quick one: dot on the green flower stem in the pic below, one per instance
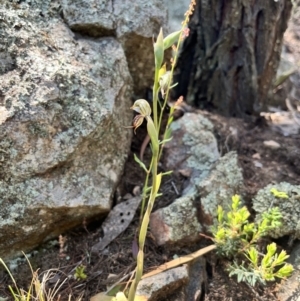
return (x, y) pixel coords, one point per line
(144, 192)
(254, 239)
(171, 77)
(143, 230)
(175, 58)
(170, 118)
(142, 235)
(153, 134)
(155, 98)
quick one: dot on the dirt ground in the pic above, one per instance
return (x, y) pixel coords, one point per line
(261, 166)
(104, 269)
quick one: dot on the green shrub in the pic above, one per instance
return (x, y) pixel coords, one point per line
(238, 239)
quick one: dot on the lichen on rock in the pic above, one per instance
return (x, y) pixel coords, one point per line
(289, 208)
(132, 23)
(224, 181)
(193, 147)
(64, 102)
(176, 223)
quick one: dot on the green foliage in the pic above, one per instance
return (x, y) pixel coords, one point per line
(234, 233)
(159, 50)
(80, 273)
(267, 268)
(279, 194)
(171, 39)
(237, 238)
(140, 163)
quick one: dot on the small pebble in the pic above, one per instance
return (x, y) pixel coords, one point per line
(127, 196)
(185, 172)
(257, 164)
(256, 156)
(136, 191)
(272, 144)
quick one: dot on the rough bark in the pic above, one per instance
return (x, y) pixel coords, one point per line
(230, 58)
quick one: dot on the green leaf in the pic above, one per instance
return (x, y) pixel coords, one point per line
(171, 39)
(174, 85)
(230, 217)
(168, 133)
(249, 228)
(158, 181)
(267, 261)
(159, 50)
(152, 132)
(239, 277)
(115, 289)
(167, 173)
(253, 255)
(235, 202)
(147, 189)
(220, 235)
(243, 214)
(285, 271)
(80, 273)
(279, 194)
(269, 276)
(140, 163)
(271, 249)
(220, 214)
(165, 140)
(282, 257)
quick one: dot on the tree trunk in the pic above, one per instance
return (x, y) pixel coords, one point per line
(230, 58)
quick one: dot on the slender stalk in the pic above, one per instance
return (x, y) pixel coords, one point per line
(142, 236)
(153, 128)
(144, 192)
(155, 98)
(143, 231)
(175, 58)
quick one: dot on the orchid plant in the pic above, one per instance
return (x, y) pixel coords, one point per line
(163, 84)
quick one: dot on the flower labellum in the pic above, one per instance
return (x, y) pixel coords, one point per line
(142, 106)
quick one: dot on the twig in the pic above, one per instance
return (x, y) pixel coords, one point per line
(175, 188)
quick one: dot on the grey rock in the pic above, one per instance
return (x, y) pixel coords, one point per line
(160, 285)
(63, 144)
(176, 11)
(193, 147)
(133, 23)
(95, 18)
(188, 284)
(176, 223)
(289, 208)
(196, 285)
(224, 181)
(213, 181)
(119, 17)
